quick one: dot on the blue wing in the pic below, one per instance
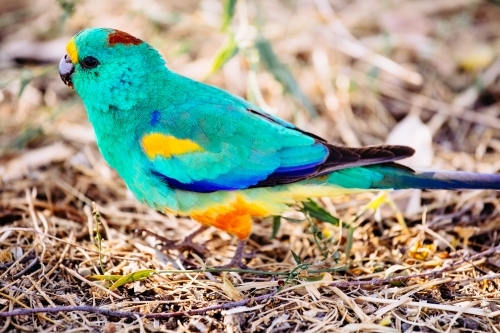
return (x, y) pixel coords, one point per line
(244, 147)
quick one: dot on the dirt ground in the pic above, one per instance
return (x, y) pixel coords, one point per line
(420, 73)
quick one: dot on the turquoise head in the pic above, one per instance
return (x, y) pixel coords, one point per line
(108, 67)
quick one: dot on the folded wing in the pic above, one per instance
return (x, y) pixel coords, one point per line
(225, 147)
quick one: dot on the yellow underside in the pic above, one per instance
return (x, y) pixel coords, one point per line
(235, 216)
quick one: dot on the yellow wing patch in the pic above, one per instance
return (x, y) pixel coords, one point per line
(157, 144)
(72, 51)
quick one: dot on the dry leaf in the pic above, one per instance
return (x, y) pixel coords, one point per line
(412, 132)
(230, 290)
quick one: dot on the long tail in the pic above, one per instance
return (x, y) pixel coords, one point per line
(398, 177)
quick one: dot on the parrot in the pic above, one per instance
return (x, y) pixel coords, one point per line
(193, 149)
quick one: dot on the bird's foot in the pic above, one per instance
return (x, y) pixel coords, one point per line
(239, 255)
(186, 244)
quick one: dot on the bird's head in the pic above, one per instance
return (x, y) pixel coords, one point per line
(108, 68)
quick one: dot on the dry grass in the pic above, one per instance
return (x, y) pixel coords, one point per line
(364, 65)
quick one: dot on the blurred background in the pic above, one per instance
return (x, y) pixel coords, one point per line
(349, 71)
(421, 73)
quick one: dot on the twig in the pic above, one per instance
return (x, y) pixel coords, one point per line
(93, 284)
(487, 277)
(98, 238)
(84, 308)
(30, 255)
(132, 314)
(445, 307)
(66, 242)
(221, 270)
(347, 284)
(224, 306)
(27, 269)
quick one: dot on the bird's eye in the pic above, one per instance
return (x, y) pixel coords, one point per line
(90, 62)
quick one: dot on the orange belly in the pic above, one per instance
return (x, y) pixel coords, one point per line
(234, 217)
(235, 214)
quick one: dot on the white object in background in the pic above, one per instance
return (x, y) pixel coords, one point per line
(412, 132)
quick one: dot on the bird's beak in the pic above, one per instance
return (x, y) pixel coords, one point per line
(66, 69)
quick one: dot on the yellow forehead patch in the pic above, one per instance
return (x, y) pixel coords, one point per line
(157, 144)
(72, 52)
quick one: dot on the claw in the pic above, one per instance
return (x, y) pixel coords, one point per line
(186, 244)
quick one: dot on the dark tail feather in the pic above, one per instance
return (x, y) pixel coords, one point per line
(400, 177)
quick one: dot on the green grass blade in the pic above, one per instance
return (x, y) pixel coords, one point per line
(228, 13)
(281, 73)
(135, 276)
(349, 242)
(104, 277)
(296, 258)
(312, 209)
(228, 50)
(276, 226)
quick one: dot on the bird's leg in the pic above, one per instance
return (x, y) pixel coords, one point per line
(186, 244)
(239, 255)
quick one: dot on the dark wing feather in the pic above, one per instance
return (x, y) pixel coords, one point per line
(345, 157)
(338, 158)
